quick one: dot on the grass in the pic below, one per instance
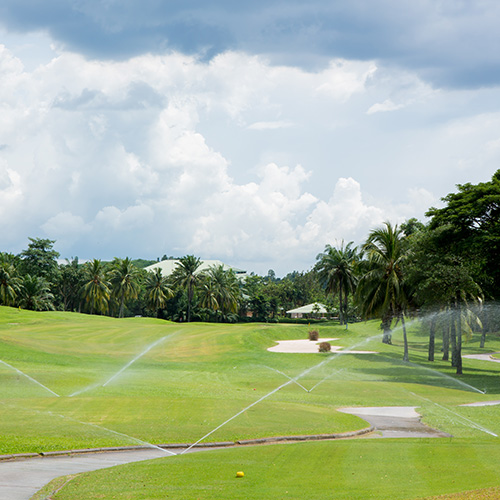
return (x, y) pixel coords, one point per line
(196, 376)
(354, 469)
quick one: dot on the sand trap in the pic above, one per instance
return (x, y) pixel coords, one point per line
(305, 346)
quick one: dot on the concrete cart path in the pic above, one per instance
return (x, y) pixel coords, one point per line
(483, 357)
(21, 479)
(395, 421)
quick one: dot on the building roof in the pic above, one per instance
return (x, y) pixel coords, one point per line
(315, 307)
(167, 267)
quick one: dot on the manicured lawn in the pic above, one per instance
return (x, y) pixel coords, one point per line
(199, 375)
(98, 381)
(350, 469)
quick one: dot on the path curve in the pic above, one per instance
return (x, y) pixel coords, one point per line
(483, 357)
(21, 478)
(396, 421)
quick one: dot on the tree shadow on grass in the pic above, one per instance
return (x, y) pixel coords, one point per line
(474, 379)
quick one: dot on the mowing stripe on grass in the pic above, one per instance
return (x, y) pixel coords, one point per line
(292, 380)
(119, 372)
(30, 378)
(472, 423)
(145, 351)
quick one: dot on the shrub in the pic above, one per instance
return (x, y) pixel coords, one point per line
(313, 335)
(325, 347)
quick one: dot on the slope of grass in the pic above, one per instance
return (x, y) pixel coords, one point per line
(196, 376)
(353, 469)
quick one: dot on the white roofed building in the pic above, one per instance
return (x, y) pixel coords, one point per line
(167, 267)
(314, 309)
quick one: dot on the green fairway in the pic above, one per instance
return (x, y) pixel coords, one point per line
(72, 381)
(85, 391)
(353, 469)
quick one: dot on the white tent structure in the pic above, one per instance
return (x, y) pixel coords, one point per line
(314, 309)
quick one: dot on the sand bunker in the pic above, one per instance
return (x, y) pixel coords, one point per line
(304, 346)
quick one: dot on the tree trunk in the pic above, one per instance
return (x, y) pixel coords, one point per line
(406, 356)
(122, 306)
(341, 303)
(346, 318)
(485, 323)
(446, 341)
(432, 338)
(459, 339)
(386, 327)
(453, 337)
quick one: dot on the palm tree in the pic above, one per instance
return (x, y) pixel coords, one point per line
(35, 294)
(186, 277)
(337, 271)
(382, 290)
(96, 289)
(220, 291)
(10, 284)
(157, 291)
(124, 278)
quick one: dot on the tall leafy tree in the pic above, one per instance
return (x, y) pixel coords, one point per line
(470, 223)
(158, 291)
(186, 276)
(124, 278)
(337, 270)
(40, 259)
(382, 291)
(96, 290)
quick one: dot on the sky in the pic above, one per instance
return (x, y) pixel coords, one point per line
(254, 133)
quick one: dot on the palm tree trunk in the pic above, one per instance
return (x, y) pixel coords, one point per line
(406, 356)
(341, 314)
(122, 306)
(386, 327)
(346, 319)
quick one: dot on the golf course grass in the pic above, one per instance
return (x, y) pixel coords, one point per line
(70, 381)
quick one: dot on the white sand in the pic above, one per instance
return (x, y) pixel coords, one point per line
(305, 346)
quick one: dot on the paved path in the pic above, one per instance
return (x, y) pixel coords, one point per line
(21, 479)
(395, 421)
(483, 357)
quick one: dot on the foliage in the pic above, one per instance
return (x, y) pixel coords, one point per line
(96, 290)
(158, 291)
(382, 290)
(124, 278)
(324, 347)
(40, 259)
(313, 335)
(35, 294)
(186, 276)
(470, 223)
(337, 269)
